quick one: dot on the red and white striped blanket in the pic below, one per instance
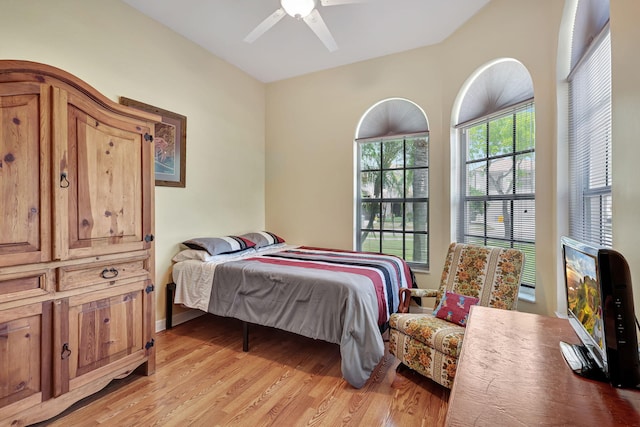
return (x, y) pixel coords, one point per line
(342, 297)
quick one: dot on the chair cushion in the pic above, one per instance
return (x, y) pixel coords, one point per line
(443, 336)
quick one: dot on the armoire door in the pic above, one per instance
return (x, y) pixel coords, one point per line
(101, 333)
(24, 173)
(105, 180)
(25, 357)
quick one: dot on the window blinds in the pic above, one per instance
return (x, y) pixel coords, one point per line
(498, 184)
(590, 142)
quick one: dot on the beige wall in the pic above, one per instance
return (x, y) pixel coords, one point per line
(311, 122)
(625, 36)
(122, 53)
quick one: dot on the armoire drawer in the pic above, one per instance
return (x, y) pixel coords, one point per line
(80, 276)
(23, 285)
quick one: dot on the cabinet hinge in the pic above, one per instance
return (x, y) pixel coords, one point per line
(149, 238)
(148, 137)
(149, 344)
(149, 289)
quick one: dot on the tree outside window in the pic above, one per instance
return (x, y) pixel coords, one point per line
(393, 206)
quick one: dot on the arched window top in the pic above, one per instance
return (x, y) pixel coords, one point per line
(500, 85)
(392, 117)
(591, 17)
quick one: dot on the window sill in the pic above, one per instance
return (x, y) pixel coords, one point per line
(527, 294)
(421, 270)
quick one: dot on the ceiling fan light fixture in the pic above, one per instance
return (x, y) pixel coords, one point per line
(298, 8)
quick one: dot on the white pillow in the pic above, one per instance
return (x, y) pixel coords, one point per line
(202, 255)
(272, 247)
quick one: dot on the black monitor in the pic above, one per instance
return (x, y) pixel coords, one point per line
(600, 310)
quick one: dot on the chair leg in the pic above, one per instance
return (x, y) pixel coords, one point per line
(402, 368)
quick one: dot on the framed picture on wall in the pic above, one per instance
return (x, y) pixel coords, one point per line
(170, 143)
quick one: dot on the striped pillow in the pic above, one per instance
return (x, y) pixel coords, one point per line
(263, 239)
(220, 245)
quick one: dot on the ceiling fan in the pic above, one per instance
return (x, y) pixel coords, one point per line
(305, 10)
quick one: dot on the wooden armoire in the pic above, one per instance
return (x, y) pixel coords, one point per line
(76, 241)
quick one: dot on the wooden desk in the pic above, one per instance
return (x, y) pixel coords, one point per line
(511, 373)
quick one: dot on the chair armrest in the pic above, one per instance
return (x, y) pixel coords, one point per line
(407, 293)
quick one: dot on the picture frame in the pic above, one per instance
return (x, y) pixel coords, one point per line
(170, 141)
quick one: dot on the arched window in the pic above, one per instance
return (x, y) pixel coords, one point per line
(392, 207)
(496, 197)
(590, 141)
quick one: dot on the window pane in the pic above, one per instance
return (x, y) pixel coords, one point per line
(524, 218)
(393, 184)
(529, 273)
(477, 142)
(597, 225)
(501, 176)
(474, 220)
(417, 247)
(476, 179)
(417, 152)
(370, 241)
(393, 154)
(498, 243)
(525, 174)
(598, 168)
(370, 185)
(392, 244)
(416, 218)
(475, 240)
(417, 183)
(525, 129)
(370, 216)
(369, 156)
(392, 216)
(501, 136)
(499, 219)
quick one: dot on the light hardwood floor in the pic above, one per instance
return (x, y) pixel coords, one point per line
(204, 379)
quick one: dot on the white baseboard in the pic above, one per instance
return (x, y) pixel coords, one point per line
(177, 319)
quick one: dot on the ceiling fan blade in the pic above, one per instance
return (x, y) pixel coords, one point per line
(262, 27)
(341, 2)
(316, 23)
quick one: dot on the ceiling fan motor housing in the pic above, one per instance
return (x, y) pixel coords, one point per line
(298, 8)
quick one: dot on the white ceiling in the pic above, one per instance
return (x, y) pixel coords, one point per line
(362, 31)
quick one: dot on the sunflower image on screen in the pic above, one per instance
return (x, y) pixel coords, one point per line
(583, 296)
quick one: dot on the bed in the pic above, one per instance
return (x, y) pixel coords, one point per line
(342, 297)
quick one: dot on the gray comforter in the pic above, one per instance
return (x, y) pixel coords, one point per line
(330, 303)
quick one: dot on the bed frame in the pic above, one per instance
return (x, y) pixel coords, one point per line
(171, 290)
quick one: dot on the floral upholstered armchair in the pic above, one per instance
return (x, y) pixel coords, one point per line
(430, 343)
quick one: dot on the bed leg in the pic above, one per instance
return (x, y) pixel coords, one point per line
(245, 336)
(171, 290)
